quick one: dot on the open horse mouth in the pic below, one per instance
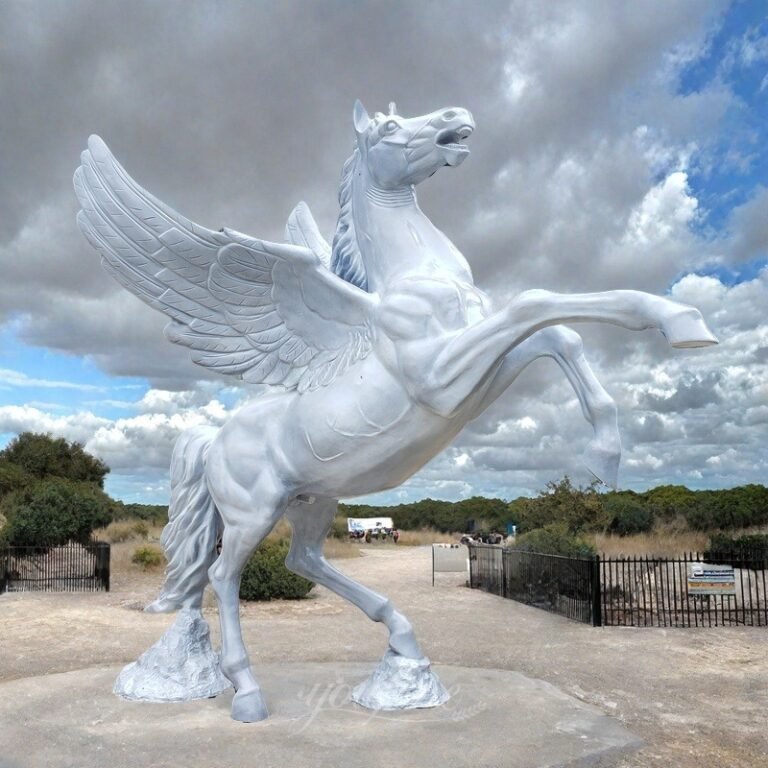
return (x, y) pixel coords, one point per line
(453, 137)
(450, 141)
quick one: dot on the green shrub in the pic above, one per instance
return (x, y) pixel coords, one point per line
(627, 515)
(339, 529)
(554, 539)
(669, 501)
(148, 557)
(52, 512)
(44, 456)
(753, 548)
(12, 478)
(577, 509)
(729, 509)
(266, 577)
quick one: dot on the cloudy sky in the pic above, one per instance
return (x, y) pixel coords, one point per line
(618, 145)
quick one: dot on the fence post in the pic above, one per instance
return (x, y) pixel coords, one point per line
(5, 556)
(597, 615)
(107, 564)
(103, 563)
(504, 568)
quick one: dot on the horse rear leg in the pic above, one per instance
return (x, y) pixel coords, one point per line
(565, 347)
(244, 529)
(310, 523)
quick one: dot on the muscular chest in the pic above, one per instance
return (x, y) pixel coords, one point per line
(421, 307)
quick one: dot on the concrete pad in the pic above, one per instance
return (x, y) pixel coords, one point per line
(495, 719)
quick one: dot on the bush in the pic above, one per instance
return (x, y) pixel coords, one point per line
(554, 539)
(752, 548)
(266, 577)
(44, 456)
(628, 516)
(669, 501)
(339, 529)
(148, 557)
(577, 509)
(52, 512)
(12, 478)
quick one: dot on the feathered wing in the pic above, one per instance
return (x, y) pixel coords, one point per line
(301, 229)
(265, 312)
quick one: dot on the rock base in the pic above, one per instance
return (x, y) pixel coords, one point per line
(181, 666)
(400, 683)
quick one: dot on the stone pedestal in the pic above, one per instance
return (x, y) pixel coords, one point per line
(493, 718)
(400, 683)
(181, 666)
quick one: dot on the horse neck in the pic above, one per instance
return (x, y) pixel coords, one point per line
(396, 239)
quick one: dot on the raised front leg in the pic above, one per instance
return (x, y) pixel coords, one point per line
(443, 377)
(565, 347)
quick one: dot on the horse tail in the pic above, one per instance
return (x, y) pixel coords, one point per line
(189, 539)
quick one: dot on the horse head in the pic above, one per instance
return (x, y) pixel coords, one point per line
(402, 151)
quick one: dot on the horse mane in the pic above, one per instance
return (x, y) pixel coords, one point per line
(346, 259)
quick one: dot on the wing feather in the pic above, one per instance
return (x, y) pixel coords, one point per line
(301, 229)
(266, 312)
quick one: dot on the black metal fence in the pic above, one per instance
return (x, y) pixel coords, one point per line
(68, 568)
(565, 585)
(690, 591)
(657, 592)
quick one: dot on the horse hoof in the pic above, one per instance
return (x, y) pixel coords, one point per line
(402, 640)
(161, 605)
(686, 329)
(249, 707)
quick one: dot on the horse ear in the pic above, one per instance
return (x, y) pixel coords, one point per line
(360, 117)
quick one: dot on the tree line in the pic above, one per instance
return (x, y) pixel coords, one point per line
(584, 510)
(52, 491)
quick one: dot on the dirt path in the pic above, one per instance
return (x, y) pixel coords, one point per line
(699, 698)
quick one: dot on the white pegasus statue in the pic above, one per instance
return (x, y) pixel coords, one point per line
(380, 349)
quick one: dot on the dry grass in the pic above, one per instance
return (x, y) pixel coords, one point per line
(281, 531)
(335, 548)
(658, 543)
(425, 536)
(120, 531)
(340, 548)
(127, 536)
(125, 573)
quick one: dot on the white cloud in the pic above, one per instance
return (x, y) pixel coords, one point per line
(129, 446)
(18, 379)
(25, 418)
(580, 180)
(147, 440)
(667, 207)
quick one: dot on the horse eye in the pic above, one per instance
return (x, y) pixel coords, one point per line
(391, 126)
